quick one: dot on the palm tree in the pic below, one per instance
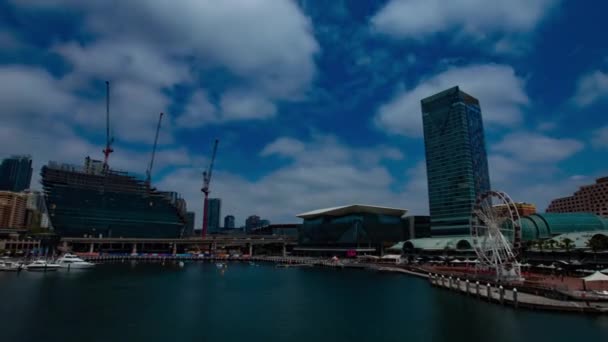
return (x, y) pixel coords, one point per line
(551, 243)
(539, 244)
(567, 244)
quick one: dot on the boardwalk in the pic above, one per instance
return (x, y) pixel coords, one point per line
(513, 298)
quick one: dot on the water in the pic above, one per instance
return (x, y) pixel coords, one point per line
(247, 303)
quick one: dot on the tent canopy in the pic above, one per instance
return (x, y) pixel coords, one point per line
(597, 276)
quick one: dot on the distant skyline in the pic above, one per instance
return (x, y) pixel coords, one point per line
(316, 103)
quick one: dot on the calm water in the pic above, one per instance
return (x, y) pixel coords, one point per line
(248, 303)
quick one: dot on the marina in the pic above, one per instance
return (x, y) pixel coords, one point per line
(155, 302)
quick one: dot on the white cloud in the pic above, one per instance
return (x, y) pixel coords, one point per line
(243, 104)
(267, 47)
(591, 88)
(500, 91)
(30, 91)
(532, 147)
(600, 137)
(198, 112)
(322, 172)
(478, 18)
(284, 147)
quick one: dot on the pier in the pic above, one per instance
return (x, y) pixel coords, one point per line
(498, 294)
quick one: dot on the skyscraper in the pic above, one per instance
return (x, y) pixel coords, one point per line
(189, 227)
(251, 222)
(229, 222)
(456, 160)
(16, 173)
(215, 213)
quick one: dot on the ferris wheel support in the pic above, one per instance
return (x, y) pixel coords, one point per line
(496, 234)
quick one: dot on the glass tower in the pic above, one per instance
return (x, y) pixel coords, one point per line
(456, 160)
(215, 209)
(16, 173)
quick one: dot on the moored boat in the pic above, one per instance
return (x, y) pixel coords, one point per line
(42, 265)
(71, 261)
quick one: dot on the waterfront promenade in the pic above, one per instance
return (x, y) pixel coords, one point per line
(524, 297)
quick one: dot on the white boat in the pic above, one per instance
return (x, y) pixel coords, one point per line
(10, 266)
(42, 265)
(71, 261)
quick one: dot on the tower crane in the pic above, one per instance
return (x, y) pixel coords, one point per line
(205, 189)
(149, 171)
(109, 140)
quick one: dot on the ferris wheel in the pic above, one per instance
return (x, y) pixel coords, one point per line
(496, 233)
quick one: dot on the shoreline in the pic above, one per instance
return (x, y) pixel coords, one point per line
(494, 294)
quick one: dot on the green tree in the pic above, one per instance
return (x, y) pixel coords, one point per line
(567, 244)
(540, 244)
(551, 243)
(598, 242)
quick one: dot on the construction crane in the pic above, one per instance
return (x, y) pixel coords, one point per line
(149, 171)
(205, 189)
(106, 151)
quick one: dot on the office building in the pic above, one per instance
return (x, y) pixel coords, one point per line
(16, 173)
(252, 222)
(418, 226)
(591, 198)
(214, 215)
(350, 230)
(523, 209)
(456, 160)
(229, 222)
(189, 226)
(13, 209)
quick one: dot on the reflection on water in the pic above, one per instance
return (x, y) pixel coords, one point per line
(243, 302)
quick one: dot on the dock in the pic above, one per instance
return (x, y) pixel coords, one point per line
(511, 297)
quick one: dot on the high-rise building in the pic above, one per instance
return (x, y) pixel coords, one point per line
(16, 173)
(189, 228)
(252, 221)
(229, 222)
(13, 208)
(523, 209)
(214, 215)
(591, 198)
(456, 160)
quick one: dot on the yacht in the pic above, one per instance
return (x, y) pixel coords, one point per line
(10, 266)
(42, 265)
(73, 261)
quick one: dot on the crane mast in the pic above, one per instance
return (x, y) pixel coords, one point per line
(149, 171)
(205, 189)
(106, 151)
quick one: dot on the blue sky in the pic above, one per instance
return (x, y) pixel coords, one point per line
(316, 103)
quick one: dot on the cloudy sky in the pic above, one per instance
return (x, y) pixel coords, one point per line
(315, 103)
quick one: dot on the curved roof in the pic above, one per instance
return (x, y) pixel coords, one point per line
(441, 243)
(579, 239)
(352, 209)
(539, 226)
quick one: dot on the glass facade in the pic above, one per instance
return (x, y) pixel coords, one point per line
(16, 173)
(215, 213)
(229, 222)
(456, 160)
(352, 230)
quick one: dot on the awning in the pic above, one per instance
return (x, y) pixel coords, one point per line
(597, 276)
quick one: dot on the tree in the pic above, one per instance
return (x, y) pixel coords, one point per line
(597, 243)
(540, 244)
(551, 243)
(567, 244)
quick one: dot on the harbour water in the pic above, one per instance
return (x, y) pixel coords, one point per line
(152, 302)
